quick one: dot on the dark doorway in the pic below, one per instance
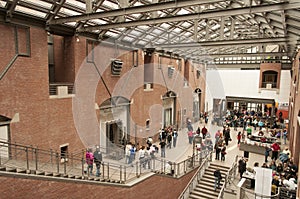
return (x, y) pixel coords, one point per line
(115, 136)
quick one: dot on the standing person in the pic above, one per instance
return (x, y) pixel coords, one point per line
(190, 136)
(217, 136)
(189, 125)
(227, 136)
(142, 156)
(204, 132)
(218, 151)
(275, 150)
(267, 153)
(223, 153)
(127, 152)
(239, 137)
(175, 135)
(98, 160)
(89, 158)
(205, 117)
(249, 130)
(169, 139)
(218, 178)
(163, 148)
(284, 136)
(132, 155)
(242, 166)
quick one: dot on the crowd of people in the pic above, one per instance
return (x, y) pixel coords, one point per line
(284, 170)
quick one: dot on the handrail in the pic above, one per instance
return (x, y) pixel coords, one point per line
(30, 159)
(261, 195)
(232, 170)
(196, 177)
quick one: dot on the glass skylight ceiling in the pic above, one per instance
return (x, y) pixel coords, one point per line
(272, 23)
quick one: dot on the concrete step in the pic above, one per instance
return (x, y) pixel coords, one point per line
(210, 177)
(212, 170)
(196, 196)
(206, 183)
(206, 187)
(221, 167)
(204, 193)
(209, 172)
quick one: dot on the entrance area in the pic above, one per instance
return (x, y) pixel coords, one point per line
(115, 139)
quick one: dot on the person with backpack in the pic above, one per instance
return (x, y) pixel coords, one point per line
(98, 160)
(218, 178)
(89, 158)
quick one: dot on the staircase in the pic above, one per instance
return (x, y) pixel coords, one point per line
(205, 188)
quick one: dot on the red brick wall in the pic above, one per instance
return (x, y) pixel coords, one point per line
(43, 122)
(153, 187)
(270, 66)
(48, 123)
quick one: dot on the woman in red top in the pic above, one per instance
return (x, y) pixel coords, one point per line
(275, 150)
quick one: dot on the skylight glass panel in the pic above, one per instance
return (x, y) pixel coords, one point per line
(110, 5)
(77, 4)
(98, 21)
(30, 11)
(129, 39)
(161, 41)
(149, 37)
(39, 3)
(144, 28)
(135, 33)
(73, 24)
(137, 3)
(3, 4)
(157, 31)
(99, 10)
(183, 12)
(96, 31)
(68, 12)
(111, 34)
(165, 26)
(187, 34)
(215, 27)
(177, 30)
(141, 42)
(185, 24)
(136, 15)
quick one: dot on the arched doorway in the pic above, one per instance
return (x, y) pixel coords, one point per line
(114, 125)
(169, 108)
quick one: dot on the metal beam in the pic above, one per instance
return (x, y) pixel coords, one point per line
(267, 54)
(236, 42)
(134, 10)
(204, 15)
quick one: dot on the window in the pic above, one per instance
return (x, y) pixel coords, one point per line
(269, 79)
(147, 124)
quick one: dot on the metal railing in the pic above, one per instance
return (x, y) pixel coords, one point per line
(28, 159)
(53, 87)
(231, 173)
(249, 194)
(197, 177)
